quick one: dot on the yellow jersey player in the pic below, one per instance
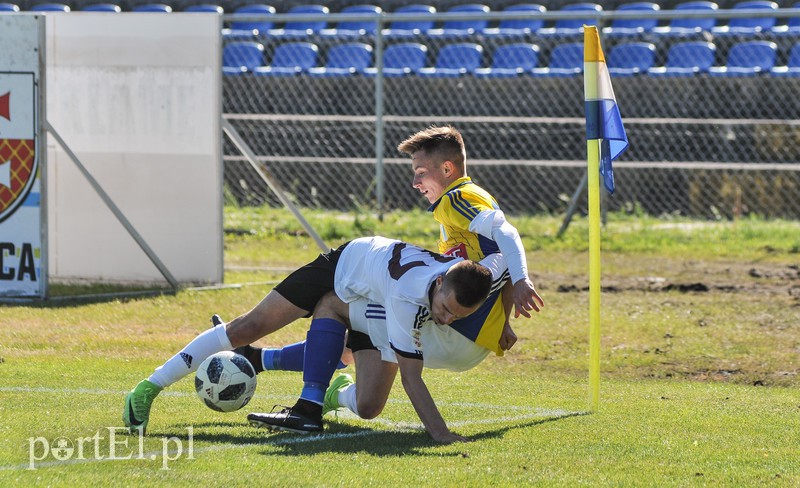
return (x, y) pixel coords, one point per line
(472, 226)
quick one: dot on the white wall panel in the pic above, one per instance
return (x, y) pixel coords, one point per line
(137, 98)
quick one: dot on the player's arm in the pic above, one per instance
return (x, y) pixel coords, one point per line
(507, 338)
(417, 391)
(493, 225)
(497, 265)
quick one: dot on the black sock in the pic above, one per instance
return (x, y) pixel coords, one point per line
(309, 409)
(253, 354)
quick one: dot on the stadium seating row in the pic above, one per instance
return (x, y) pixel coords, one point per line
(690, 58)
(516, 27)
(456, 28)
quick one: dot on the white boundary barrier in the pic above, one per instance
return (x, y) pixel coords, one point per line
(133, 185)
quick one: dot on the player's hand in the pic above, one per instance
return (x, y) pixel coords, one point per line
(508, 338)
(526, 298)
(448, 438)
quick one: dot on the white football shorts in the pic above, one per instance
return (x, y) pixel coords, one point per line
(442, 346)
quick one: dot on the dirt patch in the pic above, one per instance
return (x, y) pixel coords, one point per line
(684, 277)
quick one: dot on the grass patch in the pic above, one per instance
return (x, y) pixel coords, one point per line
(698, 384)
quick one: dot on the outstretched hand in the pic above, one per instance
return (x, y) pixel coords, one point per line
(526, 298)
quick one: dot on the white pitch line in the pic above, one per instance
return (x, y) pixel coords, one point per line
(277, 398)
(396, 426)
(536, 413)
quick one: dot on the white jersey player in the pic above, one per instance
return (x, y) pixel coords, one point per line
(414, 285)
(417, 288)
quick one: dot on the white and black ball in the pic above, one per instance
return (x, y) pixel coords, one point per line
(225, 381)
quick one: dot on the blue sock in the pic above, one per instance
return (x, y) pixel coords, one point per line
(288, 358)
(324, 346)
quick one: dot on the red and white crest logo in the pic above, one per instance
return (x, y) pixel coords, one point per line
(18, 161)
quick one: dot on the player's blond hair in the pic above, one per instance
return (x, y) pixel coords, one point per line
(445, 142)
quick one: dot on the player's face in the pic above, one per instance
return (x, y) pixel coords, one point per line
(445, 309)
(431, 175)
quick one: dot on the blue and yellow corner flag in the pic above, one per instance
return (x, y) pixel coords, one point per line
(605, 140)
(603, 121)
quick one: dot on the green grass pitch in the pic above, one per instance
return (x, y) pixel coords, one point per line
(698, 387)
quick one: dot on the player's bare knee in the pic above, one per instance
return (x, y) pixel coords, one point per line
(369, 409)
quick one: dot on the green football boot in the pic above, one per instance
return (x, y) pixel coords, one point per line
(331, 402)
(137, 405)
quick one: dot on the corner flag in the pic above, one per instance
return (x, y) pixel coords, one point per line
(605, 140)
(603, 121)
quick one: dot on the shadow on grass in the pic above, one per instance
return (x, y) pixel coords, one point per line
(69, 297)
(337, 437)
(499, 432)
(346, 439)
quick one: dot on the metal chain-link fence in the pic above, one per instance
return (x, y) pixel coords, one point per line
(703, 145)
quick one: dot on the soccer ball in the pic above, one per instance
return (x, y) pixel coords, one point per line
(225, 381)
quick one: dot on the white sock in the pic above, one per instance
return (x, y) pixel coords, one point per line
(188, 360)
(347, 398)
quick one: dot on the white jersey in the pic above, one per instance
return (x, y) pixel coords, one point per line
(399, 276)
(441, 345)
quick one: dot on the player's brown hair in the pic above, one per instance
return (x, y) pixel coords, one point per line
(471, 282)
(445, 142)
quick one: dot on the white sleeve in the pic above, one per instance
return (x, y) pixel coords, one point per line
(492, 224)
(496, 263)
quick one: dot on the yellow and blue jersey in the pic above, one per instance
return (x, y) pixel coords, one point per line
(462, 201)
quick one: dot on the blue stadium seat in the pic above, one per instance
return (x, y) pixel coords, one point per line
(356, 28)
(410, 28)
(748, 58)
(158, 8)
(749, 25)
(345, 60)
(103, 7)
(631, 59)
(205, 8)
(687, 59)
(9, 7)
(241, 57)
(511, 60)
(302, 28)
(455, 60)
(687, 26)
(518, 27)
(792, 27)
(247, 29)
(633, 27)
(792, 67)
(401, 60)
(463, 28)
(572, 27)
(50, 7)
(565, 60)
(290, 59)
